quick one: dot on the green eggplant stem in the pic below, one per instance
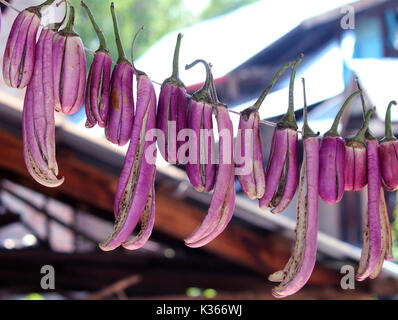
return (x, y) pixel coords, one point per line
(137, 72)
(260, 100)
(46, 3)
(360, 137)
(289, 119)
(334, 128)
(71, 21)
(307, 131)
(213, 90)
(388, 133)
(120, 50)
(203, 93)
(368, 134)
(362, 98)
(175, 74)
(97, 29)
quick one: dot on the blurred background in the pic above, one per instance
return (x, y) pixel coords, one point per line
(247, 41)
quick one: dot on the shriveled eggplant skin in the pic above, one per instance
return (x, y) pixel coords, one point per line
(281, 174)
(252, 182)
(19, 55)
(301, 264)
(222, 204)
(98, 90)
(331, 169)
(388, 154)
(332, 160)
(372, 250)
(121, 104)
(355, 159)
(251, 175)
(172, 111)
(121, 108)
(38, 124)
(201, 165)
(98, 82)
(69, 60)
(135, 192)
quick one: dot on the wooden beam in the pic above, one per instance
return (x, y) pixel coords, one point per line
(115, 288)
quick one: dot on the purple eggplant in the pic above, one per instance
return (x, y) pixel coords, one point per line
(377, 239)
(69, 68)
(251, 175)
(19, 55)
(355, 161)
(38, 124)
(135, 193)
(300, 265)
(388, 154)
(172, 111)
(121, 109)
(331, 165)
(201, 166)
(98, 83)
(222, 203)
(281, 175)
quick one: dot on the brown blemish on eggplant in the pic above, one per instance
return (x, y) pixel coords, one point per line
(115, 99)
(61, 78)
(276, 199)
(295, 262)
(364, 260)
(101, 90)
(129, 191)
(145, 217)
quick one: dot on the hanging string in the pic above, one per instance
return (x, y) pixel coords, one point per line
(268, 123)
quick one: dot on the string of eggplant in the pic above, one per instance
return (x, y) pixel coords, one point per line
(54, 72)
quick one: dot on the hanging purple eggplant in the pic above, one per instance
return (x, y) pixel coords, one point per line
(69, 68)
(355, 159)
(19, 55)
(98, 83)
(281, 175)
(300, 265)
(121, 109)
(388, 154)
(251, 175)
(135, 194)
(38, 124)
(172, 111)
(377, 241)
(222, 203)
(331, 165)
(201, 166)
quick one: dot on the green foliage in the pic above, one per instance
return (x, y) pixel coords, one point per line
(159, 17)
(219, 7)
